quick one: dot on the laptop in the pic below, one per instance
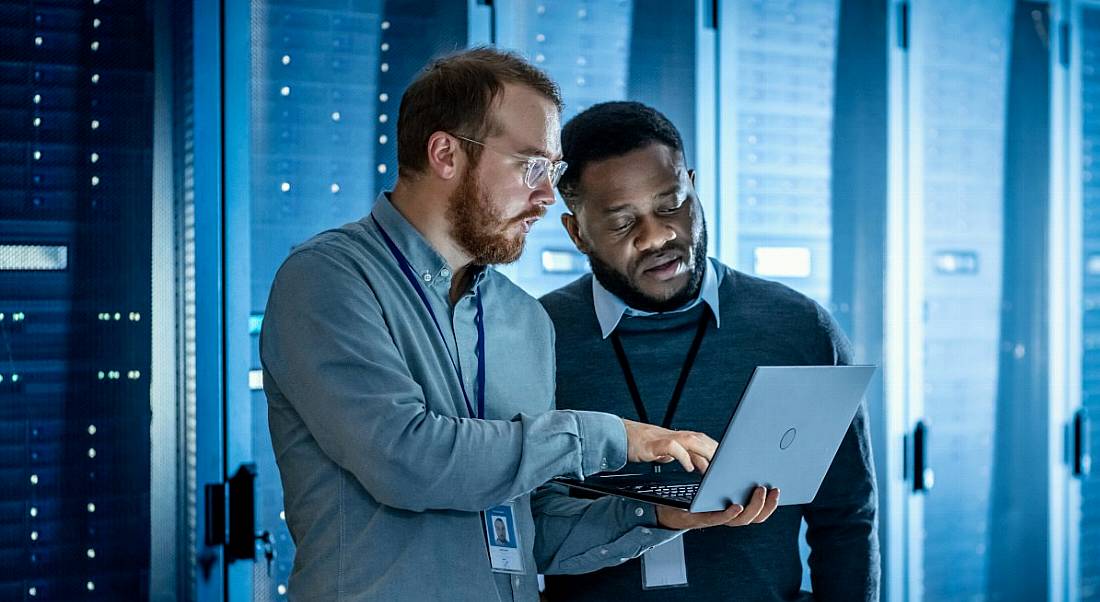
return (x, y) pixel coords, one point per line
(784, 433)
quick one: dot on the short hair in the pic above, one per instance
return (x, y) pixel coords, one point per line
(606, 130)
(453, 94)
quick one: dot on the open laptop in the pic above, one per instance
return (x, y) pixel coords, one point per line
(784, 433)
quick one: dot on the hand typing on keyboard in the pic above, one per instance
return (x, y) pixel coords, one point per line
(759, 508)
(649, 443)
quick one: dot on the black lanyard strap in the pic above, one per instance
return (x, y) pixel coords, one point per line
(685, 370)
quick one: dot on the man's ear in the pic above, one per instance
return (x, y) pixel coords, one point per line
(572, 226)
(691, 176)
(444, 156)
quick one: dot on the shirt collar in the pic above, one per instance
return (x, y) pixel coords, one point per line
(610, 309)
(430, 267)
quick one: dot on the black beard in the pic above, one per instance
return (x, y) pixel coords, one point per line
(619, 284)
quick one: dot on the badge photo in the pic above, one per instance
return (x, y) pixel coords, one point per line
(502, 539)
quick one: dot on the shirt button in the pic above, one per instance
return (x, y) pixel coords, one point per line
(426, 276)
(603, 464)
(639, 512)
(646, 531)
(444, 272)
(515, 581)
(604, 551)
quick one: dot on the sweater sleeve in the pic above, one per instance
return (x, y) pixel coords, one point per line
(842, 522)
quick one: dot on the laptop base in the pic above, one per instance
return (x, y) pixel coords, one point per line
(674, 488)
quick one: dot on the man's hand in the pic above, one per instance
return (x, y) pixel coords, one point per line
(760, 507)
(648, 443)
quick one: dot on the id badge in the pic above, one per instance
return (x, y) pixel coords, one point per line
(502, 539)
(664, 566)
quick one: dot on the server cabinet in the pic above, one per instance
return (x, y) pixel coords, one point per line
(76, 106)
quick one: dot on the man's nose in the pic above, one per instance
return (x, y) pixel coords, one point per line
(544, 192)
(653, 235)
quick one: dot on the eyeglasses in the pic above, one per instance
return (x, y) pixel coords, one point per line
(534, 169)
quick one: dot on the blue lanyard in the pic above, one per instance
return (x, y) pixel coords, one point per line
(479, 321)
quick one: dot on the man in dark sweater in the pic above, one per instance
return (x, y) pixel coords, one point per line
(654, 297)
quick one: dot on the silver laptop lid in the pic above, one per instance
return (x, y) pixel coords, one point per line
(784, 433)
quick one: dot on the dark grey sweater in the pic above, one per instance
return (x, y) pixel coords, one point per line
(763, 323)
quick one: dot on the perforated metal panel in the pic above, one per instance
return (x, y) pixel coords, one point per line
(959, 57)
(1090, 156)
(785, 57)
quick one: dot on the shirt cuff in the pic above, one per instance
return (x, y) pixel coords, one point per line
(639, 520)
(644, 514)
(603, 441)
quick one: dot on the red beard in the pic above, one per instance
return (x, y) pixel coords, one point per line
(479, 229)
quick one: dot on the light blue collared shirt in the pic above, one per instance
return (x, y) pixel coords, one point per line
(610, 309)
(384, 473)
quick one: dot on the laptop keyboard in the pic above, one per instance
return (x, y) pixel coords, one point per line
(680, 493)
